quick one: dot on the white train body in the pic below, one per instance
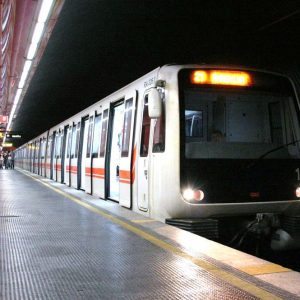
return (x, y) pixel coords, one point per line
(114, 150)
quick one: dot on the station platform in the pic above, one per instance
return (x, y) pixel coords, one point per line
(60, 243)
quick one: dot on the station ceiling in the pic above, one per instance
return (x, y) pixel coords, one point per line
(96, 47)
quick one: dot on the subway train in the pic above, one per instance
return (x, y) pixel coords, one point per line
(210, 149)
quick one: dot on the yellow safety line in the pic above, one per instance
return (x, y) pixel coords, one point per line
(143, 221)
(268, 268)
(209, 267)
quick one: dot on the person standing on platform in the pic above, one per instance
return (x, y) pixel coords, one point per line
(12, 160)
(1, 161)
(5, 159)
(9, 161)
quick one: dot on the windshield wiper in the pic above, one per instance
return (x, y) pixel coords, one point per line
(256, 160)
(277, 148)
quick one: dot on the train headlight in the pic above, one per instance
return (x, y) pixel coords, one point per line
(193, 195)
(298, 192)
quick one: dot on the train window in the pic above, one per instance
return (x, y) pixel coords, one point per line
(127, 128)
(43, 144)
(36, 151)
(159, 133)
(275, 122)
(69, 142)
(194, 123)
(104, 133)
(40, 148)
(96, 137)
(247, 123)
(73, 142)
(57, 145)
(61, 143)
(89, 139)
(49, 146)
(77, 139)
(145, 130)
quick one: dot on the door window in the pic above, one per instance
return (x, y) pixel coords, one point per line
(127, 128)
(77, 139)
(145, 130)
(159, 133)
(104, 133)
(96, 137)
(89, 139)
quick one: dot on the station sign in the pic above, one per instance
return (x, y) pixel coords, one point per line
(8, 145)
(13, 136)
(3, 119)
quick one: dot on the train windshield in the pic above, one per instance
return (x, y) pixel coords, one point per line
(240, 122)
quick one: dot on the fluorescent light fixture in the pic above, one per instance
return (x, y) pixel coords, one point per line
(32, 50)
(45, 9)
(3, 72)
(5, 43)
(25, 72)
(4, 23)
(12, 112)
(37, 33)
(17, 97)
(36, 37)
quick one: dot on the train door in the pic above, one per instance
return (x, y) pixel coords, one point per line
(45, 157)
(143, 160)
(63, 153)
(97, 174)
(48, 156)
(89, 156)
(74, 155)
(67, 160)
(99, 184)
(58, 155)
(55, 155)
(35, 160)
(42, 163)
(52, 155)
(41, 160)
(82, 153)
(33, 157)
(39, 157)
(29, 159)
(113, 159)
(125, 173)
(31, 162)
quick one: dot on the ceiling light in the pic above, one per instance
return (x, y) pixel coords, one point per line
(25, 72)
(45, 9)
(37, 33)
(32, 50)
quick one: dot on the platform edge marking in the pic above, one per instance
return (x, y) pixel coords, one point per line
(209, 267)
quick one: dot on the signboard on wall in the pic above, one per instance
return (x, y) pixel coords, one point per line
(7, 144)
(3, 119)
(13, 136)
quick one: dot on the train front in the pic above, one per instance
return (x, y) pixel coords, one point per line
(239, 146)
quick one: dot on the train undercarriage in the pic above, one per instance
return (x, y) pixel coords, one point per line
(271, 231)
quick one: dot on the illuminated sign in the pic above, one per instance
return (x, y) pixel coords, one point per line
(221, 77)
(3, 119)
(13, 136)
(7, 144)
